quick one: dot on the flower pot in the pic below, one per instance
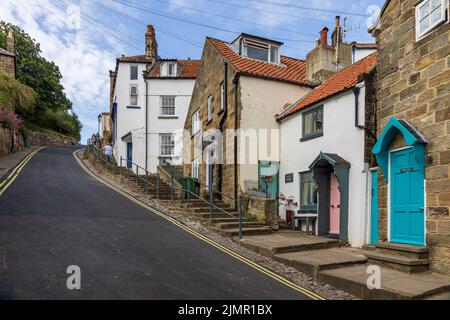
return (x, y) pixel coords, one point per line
(289, 214)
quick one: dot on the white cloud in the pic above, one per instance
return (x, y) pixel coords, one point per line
(70, 42)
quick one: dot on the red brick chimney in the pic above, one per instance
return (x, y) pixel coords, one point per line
(151, 46)
(324, 37)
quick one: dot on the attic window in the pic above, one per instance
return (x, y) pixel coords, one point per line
(261, 51)
(168, 69)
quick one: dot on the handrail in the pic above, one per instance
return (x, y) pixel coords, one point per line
(239, 205)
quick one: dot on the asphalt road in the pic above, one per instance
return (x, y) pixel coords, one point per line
(55, 215)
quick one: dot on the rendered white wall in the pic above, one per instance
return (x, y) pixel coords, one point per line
(129, 119)
(261, 101)
(182, 89)
(340, 137)
(362, 53)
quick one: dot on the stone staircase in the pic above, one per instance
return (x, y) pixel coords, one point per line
(401, 257)
(226, 224)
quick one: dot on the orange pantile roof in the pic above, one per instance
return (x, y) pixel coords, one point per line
(140, 59)
(189, 69)
(291, 70)
(341, 81)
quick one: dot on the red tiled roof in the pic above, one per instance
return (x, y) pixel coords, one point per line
(292, 70)
(341, 81)
(140, 59)
(189, 69)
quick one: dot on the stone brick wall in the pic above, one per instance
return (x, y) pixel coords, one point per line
(7, 64)
(413, 84)
(370, 119)
(208, 83)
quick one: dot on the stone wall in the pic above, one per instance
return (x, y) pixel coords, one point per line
(6, 141)
(263, 208)
(413, 84)
(46, 139)
(209, 80)
(7, 64)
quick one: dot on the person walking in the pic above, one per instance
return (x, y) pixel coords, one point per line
(108, 151)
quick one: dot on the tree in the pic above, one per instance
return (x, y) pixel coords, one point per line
(44, 77)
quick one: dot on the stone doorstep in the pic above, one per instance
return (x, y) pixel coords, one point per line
(313, 261)
(398, 262)
(245, 231)
(406, 250)
(283, 242)
(395, 284)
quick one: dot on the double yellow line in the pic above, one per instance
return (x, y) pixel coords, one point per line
(211, 242)
(13, 175)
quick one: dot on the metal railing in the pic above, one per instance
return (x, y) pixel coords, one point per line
(212, 192)
(184, 190)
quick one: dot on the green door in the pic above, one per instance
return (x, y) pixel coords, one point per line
(268, 173)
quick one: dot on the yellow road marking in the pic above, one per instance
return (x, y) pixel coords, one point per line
(14, 174)
(16, 168)
(198, 235)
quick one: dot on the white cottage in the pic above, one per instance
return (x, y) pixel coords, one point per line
(150, 98)
(326, 139)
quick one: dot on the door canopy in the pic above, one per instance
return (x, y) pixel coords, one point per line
(411, 136)
(323, 166)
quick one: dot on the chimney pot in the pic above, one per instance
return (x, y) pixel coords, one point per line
(338, 21)
(324, 37)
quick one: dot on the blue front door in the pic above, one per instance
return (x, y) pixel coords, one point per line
(374, 209)
(407, 199)
(129, 155)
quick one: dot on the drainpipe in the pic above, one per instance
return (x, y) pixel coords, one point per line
(236, 86)
(146, 122)
(356, 91)
(222, 121)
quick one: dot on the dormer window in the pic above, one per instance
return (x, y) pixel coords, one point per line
(168, 69)
(261, 51)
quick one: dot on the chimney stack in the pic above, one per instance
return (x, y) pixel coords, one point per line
(338, 21)
(324, 37)
(151, 46)
(10, 42)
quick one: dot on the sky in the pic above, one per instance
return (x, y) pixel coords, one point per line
(84, 37)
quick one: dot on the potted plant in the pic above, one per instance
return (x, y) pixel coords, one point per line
(290, 205)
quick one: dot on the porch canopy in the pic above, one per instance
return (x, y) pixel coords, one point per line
(322, 167)
(128, 137)
(411, 136)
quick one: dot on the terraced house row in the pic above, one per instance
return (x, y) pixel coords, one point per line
(358, 134)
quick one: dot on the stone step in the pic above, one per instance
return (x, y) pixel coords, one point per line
(394, 285)
(406, 250)
(284, 242)
(235, 224)
(245, 231)
(397, 262)
(220, 220)
(206, 209)
(205, 215)
(312, 262)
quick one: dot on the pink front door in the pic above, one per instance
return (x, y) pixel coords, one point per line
(335, 205)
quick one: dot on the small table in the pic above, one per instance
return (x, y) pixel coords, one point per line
(310, 219)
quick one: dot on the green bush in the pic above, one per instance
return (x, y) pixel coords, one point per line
(5, 123)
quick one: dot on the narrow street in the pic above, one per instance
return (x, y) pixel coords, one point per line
(55, 215)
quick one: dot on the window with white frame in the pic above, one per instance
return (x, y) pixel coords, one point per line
(167, 144)
(222, 95)
(167, 105)
(196, 122)
(210, 107)
(134, 95)
(168, 69)
(195, 168)
(429, 14)
(133, 72)
(261, 51)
